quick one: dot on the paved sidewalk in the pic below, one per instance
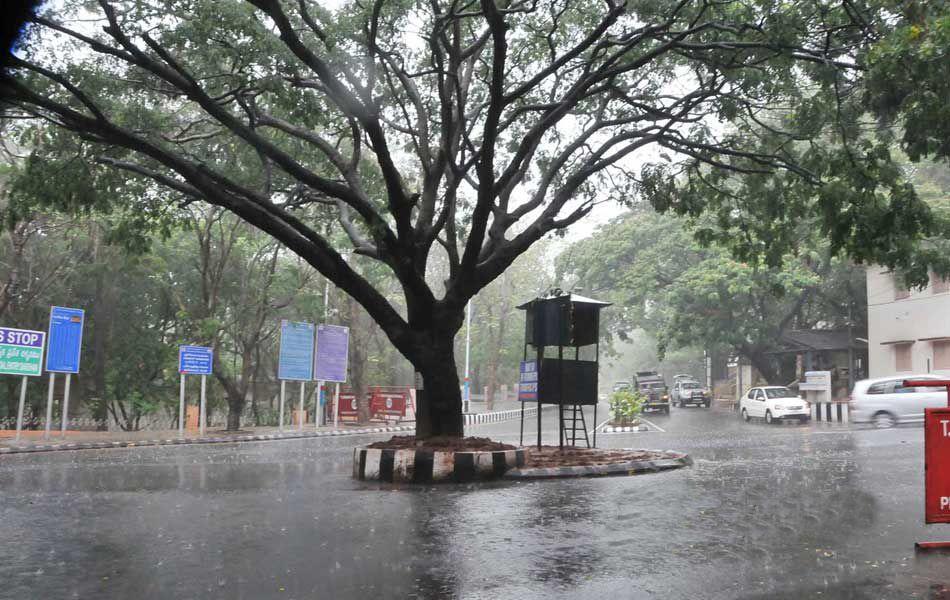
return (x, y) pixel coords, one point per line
(32, 441)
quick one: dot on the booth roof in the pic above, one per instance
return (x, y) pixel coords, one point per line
(574, 299)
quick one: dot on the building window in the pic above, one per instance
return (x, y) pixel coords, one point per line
(939, 285)
(900, 290)
(942, 355)
(902, 361)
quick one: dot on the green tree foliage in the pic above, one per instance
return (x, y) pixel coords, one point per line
(688, 295)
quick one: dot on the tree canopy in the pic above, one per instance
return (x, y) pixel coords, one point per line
(686, 295)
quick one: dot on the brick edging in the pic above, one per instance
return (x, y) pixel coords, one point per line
(632, 467)
(287, 435)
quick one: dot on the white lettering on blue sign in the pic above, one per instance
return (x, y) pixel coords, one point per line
(195, 360)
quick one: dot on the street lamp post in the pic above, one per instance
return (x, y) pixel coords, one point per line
(467, 389)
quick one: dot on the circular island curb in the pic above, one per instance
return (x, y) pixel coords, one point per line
(419, 465)
(427, 466)
(631, 467)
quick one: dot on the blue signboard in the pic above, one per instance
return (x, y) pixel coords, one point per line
(528, 381)
(295, 359)
(195, 360)
(65, 339)
(333, 344)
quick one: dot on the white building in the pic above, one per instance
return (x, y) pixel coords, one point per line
(908, 330)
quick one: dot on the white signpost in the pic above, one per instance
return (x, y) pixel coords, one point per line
(295, 362)
(333, 346)
(194, 360)
(21, 353)
(65, 345)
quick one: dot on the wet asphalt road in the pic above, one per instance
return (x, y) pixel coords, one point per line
(765, 512)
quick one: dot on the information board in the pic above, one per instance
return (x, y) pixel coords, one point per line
(21, 351)
(295, 358)
(528, 381)
(65, 339)
(348, 407)
(937, 465)
(388, 402)
(333, 345)
(195, 360)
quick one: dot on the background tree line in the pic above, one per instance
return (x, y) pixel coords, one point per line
(198, 275)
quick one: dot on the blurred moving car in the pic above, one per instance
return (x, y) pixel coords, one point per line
(774, 403)
(655, 393)
(885, 402)
(621, 385)
(690, 392)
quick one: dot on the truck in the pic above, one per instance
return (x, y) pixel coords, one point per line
(656, 396)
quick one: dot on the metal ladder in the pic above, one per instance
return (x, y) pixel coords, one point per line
(571, 416)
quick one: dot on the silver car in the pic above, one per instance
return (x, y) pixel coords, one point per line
(885, 402)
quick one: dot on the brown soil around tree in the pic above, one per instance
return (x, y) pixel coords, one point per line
(552, 456)
(442, 444)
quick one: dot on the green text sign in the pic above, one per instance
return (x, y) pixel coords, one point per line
(21, 351)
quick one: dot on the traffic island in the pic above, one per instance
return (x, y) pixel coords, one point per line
(403, 459)
(549, 462)
(408, 460)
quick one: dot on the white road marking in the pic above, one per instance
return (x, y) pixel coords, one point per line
(653, 424)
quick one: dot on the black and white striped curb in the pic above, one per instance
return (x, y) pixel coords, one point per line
(500, 415)
(626, 429)
(632, 467)
(428, 466)
(287, 435)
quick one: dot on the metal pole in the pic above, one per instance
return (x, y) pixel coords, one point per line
(468, 344)
(203, 417)
(181, 407)
(283, 391)
(540, 358)
(49, 404)
(595, 425)
(851, 347)
(560, 396)
(318, 412)
(65, 419)
(19, 414)
(300, 412)
(336, 406)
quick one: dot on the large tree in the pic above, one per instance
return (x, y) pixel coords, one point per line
(471, 128)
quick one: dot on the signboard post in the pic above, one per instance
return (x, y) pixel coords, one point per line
(65, 343)
(936, 461)
(333, 348)
(21, 353)
(295, 361)
(194, 360)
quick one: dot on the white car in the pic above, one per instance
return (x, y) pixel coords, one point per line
(885, 402)
(774, 403)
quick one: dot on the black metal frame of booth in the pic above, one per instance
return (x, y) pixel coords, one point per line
(565, 321)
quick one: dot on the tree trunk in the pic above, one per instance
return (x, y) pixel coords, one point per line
(764, 365)
(439, 403)
(234, 416)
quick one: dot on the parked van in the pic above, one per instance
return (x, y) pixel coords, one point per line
(885, 402)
